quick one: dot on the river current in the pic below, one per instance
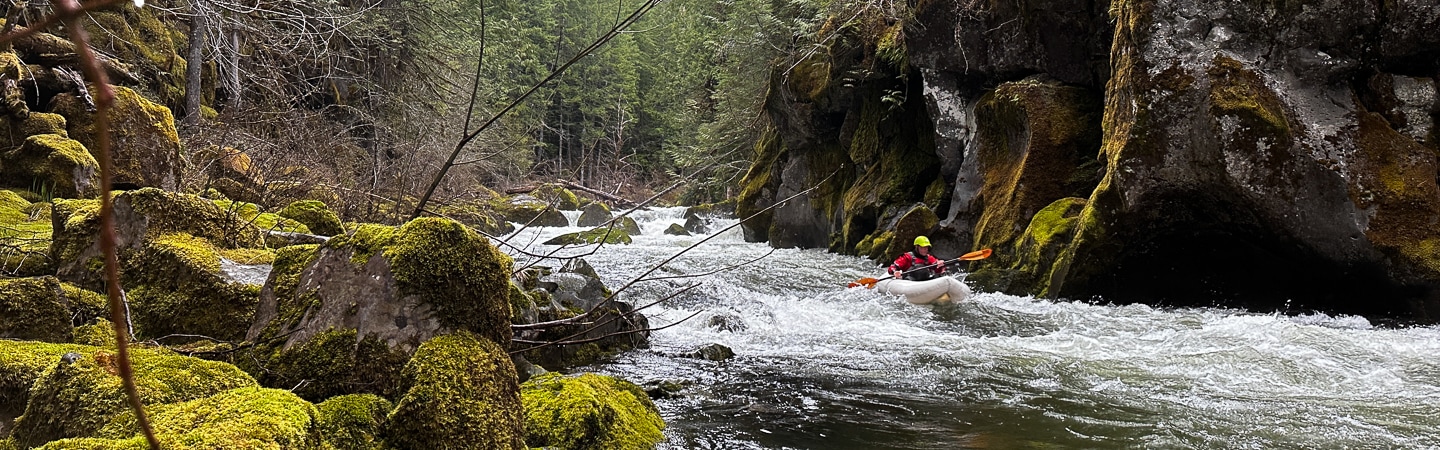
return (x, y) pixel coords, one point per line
(820, 366)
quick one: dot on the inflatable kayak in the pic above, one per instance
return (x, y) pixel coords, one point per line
(936, 291)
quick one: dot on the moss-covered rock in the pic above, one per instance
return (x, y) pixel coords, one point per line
(177, 287)
(354, 422)
(54, 164)
(21, 363)
(253, 214)
(144, 144)
(315, 216)
(99, 334)
(249, 417)
(336, 363)
(346, 315)
(589, 411)
(676, 229)
(558, 197)
(44, 309)
(918, 221)
(461, 393)
(137, 36)
(594, 214)
(530, 212)
(25, 233)
(139, 216)
(597, 235)
(1049, 232)
(77, 398)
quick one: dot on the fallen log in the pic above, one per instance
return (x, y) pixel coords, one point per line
(598, 193)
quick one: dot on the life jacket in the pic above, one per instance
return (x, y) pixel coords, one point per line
(911, 259)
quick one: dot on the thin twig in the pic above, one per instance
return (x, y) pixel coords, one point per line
(69, 11)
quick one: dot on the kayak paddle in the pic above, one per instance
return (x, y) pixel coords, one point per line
(870, 282)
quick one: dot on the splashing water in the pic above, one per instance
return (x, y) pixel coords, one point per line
(821, 366)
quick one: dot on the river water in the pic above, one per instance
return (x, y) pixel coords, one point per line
(819, 366)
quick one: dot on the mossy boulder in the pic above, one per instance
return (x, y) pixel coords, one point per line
(354, 422)
(144, 144)
(53, 164)
(21, 363)
(594, 214)
(461, 392)
(315, 216)
(597, 235)
(676, 229)
(139, 216)
(558, 197)
(575, 289)
(526, 210)
(346, 315)
(148, 45)
(176, 286)
(589, 411)
(44, 309)
(1048, 233)
(479, 214)
(25, 232)
(78, 397)
(14, 132)
(249, 417)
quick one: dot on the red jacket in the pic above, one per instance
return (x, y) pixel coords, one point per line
(910, 260)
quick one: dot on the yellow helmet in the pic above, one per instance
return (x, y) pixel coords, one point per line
(922, 241)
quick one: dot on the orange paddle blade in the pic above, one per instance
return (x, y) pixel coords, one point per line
(867, 282)
(978, 254)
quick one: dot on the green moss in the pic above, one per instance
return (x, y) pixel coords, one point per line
(918, 221)
(76, 399)
(458, 272)
(135, 35)
(519, 302)
(461, 388)
(538, 214)
(756, 187)
(559, 197)
(25, 236)
(1237, 91)
(367, 239)
(176, 288)
(164, 213)
(337, 362)
(1050, 232)
(354, 422)
(244, 418)
(59, 166)
(810, 78)
(290, 263)
(936, 193)
(144, 143)
(100, 334)
(592, 236)
(891, 47)
(251, 213)
(21, 363)
(589, 412)
(44, 309)
(315, 216)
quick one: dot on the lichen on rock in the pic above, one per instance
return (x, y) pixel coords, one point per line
(589, 411)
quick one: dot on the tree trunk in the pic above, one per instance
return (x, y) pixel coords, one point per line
(194, 60)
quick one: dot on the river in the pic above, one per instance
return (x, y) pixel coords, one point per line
(819, 366)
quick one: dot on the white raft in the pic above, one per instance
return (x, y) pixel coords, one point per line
(937, 291)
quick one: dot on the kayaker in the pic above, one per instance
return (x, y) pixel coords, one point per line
(920, 257)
